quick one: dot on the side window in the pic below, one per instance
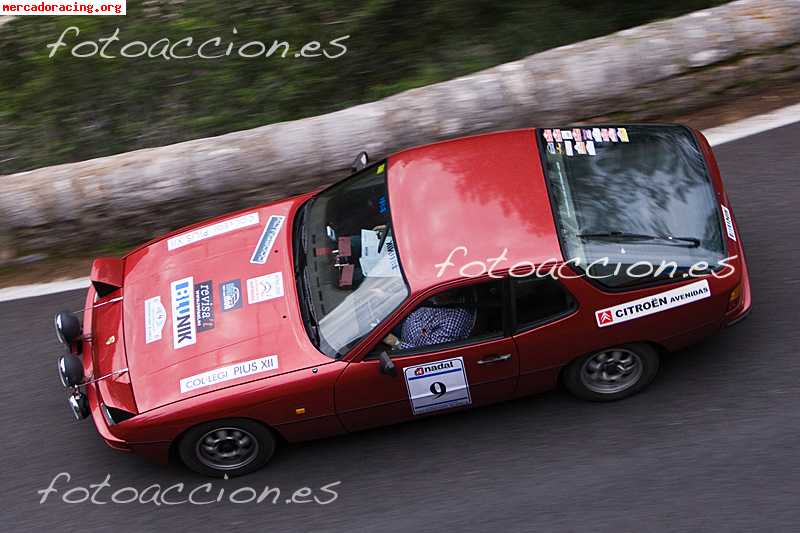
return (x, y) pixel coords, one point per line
(454, 315)
(538, 300)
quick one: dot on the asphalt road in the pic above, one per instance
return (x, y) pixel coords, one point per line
(712, 445)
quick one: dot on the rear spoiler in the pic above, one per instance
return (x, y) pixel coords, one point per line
(107, 274)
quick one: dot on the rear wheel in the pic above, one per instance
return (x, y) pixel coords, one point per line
(612, 373)
(234, 446)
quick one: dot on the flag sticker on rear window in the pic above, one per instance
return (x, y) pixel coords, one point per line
(726, 214)
(268, 237)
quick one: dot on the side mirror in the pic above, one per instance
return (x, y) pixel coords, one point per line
(360, 162)
(387, 365)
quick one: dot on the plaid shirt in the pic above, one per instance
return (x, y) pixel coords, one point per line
(435, 325)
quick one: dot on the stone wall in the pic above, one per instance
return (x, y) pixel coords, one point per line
(665, 67)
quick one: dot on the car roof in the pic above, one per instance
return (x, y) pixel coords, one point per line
(468, 199)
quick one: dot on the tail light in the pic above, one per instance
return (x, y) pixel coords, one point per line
(735, 298)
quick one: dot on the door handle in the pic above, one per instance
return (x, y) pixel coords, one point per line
(495, 359)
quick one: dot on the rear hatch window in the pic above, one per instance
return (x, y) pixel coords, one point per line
(628, 198)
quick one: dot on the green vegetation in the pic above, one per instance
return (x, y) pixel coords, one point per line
(68, 109)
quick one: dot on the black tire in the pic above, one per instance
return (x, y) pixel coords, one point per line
(232, 446)
(590, 377)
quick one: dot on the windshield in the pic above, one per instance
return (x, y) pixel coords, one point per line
(632, 194)
(348, 271)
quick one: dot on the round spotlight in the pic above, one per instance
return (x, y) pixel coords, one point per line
(68, 327)
(79, 405)
(70, 370)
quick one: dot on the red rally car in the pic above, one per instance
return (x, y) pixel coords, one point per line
(445, 277)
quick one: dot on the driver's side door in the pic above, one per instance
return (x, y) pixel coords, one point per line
(480, 368)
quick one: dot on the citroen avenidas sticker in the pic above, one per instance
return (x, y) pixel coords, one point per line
(653, 304)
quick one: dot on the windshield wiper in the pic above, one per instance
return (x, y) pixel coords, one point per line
(311, 317)
(620, 236)
(385, 234)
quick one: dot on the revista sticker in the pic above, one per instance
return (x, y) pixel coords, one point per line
(654, 303)
(204, 305)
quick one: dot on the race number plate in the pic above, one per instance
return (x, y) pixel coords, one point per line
(437, 385)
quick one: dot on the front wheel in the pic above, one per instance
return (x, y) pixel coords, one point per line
(612, 373)
(234, 446)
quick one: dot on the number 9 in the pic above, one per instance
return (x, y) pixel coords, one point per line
(438, 388)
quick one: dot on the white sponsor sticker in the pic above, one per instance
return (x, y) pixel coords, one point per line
(264, 288)
(201, 234)
(726, 214)
(227, 373)
(268, 236)
(438, 385)
(652, 304)
(184, 328)
(155, 316)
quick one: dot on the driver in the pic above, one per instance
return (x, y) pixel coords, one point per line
(437, 321)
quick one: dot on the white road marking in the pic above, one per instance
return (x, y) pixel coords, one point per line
(40, 289)
(716, 136)
(753, 125)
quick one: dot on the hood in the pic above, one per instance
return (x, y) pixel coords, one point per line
(214, 305)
